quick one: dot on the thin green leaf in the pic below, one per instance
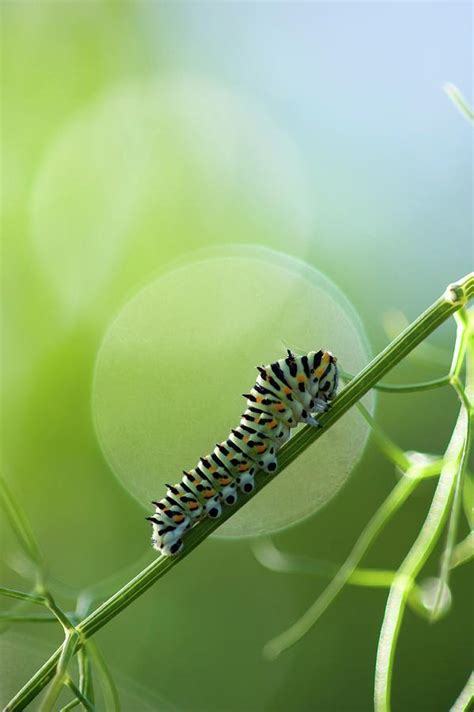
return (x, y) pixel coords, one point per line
(405, 387)
(388, 508)
(388, 447)
(463, 552)
(468, 499)
(19, 524)
(13, 618)
(109, 689)
(446, 558)
(275, 560)
(465, 700)
(54, 690)
(85, 676)
(30, 597)
(459, 101)
(454, 298)
(412, 564)
(85, 702)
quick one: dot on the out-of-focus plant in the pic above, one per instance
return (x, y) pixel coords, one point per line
(79, 626)
(431, 598)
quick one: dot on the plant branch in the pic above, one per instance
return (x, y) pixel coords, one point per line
(387, 509)
(455, 296)
(413, 563)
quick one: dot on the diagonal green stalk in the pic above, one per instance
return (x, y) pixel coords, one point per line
(463, 551)
(109, 689)
(446, 558)
(66, 653)
(80, 697)
(385, 512)
(413, 563)
(14, 618)
(406, 387)
(455, 296)
(20, 526)
(275, 560)
(85, 673)
(459, 101)
(466, 698)
(391, 450)
(30, 597)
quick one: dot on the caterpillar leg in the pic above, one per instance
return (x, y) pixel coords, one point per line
(229, 494)
(172, 548)
(320, 405)
(246, 482)
(310, 420)
(213, 508)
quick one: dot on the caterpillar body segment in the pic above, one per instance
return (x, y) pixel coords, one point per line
(205, 491)
(182, 495)
(267, 425)
(239, 463)
(260, 448)
(223, 479)
(287, 392)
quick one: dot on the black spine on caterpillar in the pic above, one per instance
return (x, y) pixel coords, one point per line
(286, 393)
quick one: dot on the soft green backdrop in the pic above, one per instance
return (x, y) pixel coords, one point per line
(134, 133)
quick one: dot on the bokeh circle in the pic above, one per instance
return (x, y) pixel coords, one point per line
(174, 361)
(153, 169)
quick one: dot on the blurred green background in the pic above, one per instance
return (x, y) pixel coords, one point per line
(134, 134)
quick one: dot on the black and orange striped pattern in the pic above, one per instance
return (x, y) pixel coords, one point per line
(286, 393)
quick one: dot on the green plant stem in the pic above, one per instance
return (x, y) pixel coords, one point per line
(459, 101)
(466, 698)
(21, 527)
(447, 555)
(50, 603)
(85, 702)
(412, 565)
(292, 635)
(70, 705)
(66, 652)
(13, 618)
(30, 597)
(455, 296)
(463, 551)
(275, 560)
(85, 677)
(109, 690)
(406, 387)
(391, 450)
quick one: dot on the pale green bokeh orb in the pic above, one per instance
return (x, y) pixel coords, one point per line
(154, 169)
(175, 360)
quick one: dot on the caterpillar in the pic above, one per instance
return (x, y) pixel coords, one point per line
(286, 393)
